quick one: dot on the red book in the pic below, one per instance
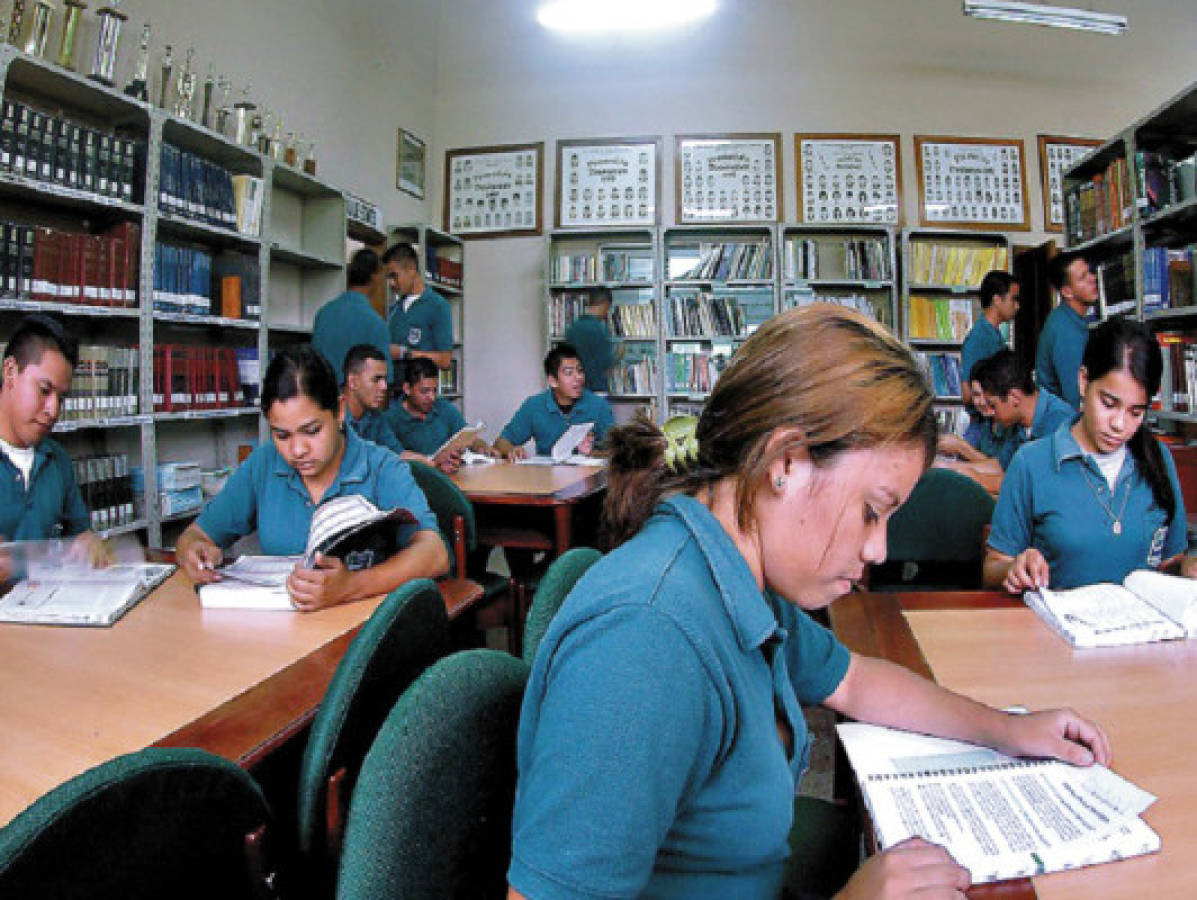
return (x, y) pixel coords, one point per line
(43, 287)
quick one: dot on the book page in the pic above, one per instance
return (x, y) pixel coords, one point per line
(1173, 596)
(1101, 615)
(76, 601)
(568, 442)
(465, 437)
(264, 571)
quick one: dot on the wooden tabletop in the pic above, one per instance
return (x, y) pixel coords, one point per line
(989, 647)
(531, 485)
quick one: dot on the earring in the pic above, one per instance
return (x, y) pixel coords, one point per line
(779, 482)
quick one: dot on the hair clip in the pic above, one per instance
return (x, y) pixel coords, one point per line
(681, 443)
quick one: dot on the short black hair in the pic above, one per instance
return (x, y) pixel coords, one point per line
(559, 353)
(978, 370)
(300, 370)
(1003, 372)
(355, 359)
(1058, 266)
(402, 253)
(363, 266)
(36, 334)
(600, 295)
(418, 368)
(996, 284)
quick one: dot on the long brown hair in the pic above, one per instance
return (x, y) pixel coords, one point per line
(832, 377)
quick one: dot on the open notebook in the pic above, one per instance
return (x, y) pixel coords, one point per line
(69, 595)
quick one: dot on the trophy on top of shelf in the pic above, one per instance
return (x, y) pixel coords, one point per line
(15, 21)
(138, 87)
(276, 143)
(39, 28)
(223, 110)
(103, 67)
(245, 114)
(70, 32)
(262, 132)
(209, 87)
(164, 75)
(185, 88)
(291, 152)
(309, 161)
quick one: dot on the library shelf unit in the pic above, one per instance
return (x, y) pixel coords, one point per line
(291, 267)
(851, 265)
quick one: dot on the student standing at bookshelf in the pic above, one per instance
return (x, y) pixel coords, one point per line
(1100, 498)
(421, 322)
(544, 417)
(39, 496)
(310, 458)
(999, 305)
(1023, 411)
(348, 319)
(661, 738)
(590, 335)
(422, 421)
(1062, 341)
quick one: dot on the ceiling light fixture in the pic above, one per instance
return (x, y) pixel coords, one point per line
(1051, 16)
(594, 16)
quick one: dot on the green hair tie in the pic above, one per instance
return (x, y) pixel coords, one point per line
(681, 443)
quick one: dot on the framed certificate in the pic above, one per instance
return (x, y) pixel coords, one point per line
(974, 183)
(1056, 156)
(608, 183)
(409, 165)
(849, 179)
(728, 178)
(494, 191)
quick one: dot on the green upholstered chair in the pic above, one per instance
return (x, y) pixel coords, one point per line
(157, 823)
(408, 632)
(558, 580)
(431, 814)
(824, 848)
(937, 538)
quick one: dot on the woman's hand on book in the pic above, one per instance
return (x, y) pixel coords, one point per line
(1059, 733)
(325, 585)
(199, 557)
(909, 869)
(1028, 572)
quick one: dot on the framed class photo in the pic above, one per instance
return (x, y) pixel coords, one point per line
(972, 183)
(728, 178)
(608, 182)
(494, 191)
(851, 179)
(1056, 156)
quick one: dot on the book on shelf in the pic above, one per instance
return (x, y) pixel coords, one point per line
(1101, 204)
(1167, 278)
(694, 370)
(940, 318)
(731, 261)
(447, 379)
(54, 590)
(935, 262)
(853, 259)
(248, 193)
(442, 268)
(198, 281)
(634, 376)
(1179, 375)
(237, 286)
(188, 377)
(1116, 292)
(103, 384)
(1000, 817)
(627, 263)
(107, 487)
(575, 268)
(52, 265)
(943, 371)
(705, 315)
(192, 187)
(877, 308)
(634, 320)
(1155, 175)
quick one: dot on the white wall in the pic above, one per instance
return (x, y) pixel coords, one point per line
(905, 66)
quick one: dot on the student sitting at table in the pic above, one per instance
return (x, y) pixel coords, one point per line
(1021, 409)
(312, 457)
(976, 454)
(422, 421)
(1099, 498)
(546, 416)
(39, 496)
(661, 739)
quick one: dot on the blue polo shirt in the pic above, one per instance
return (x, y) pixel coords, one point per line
(51, 507)
(428, 434)
(982, 342)
(1058, 356)
(649, 757)
(541, 418)
(344, 322)
(590, 337)
(373, 427)
(1050, 413)
(428, 325)
(266, 494)
(1050, 501)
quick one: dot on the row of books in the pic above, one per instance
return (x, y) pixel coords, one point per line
(190, 377)
(1116, 292)
(634, 377)
(103, 385)
(72, 267)
(855, 259)
(575, 268)
(608, 264)
(249, 369)
(190, 279)
(705, 315)
(634, 320)
(1100, 205)
(962, 265)
(448, 379)
(731, 261)
(107, 488)
(940, 318)
(1162, 181)
(442, 268)
(1168, 277)
(196, 188)
(695, 371)
(943, 371)
(874, 307)
(47, 147)
(1180, 369)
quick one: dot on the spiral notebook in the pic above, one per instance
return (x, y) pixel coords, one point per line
(1000, 817)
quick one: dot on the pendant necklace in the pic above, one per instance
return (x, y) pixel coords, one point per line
(1117, 519)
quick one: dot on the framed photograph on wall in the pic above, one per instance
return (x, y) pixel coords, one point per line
(410, 165)
(727, 178)
(1056, 156)
(494, 191)
(849, 179)
(972, 183)
(608, 182)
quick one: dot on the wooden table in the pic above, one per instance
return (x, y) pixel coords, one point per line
(992, 648)
(234, 682)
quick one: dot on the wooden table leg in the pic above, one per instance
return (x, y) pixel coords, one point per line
(562, 519)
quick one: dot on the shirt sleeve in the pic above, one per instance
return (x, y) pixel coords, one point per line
(381, 434)
(380, 337)
(519, 430)
(442, 326)
(233, 513)
(1013, 520)
(1045, 364)
(816, 660)
(1178, 527)
(395, 487)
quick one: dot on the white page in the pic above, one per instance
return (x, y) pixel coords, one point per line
(1174, 597)
(568, 442)
(1101, 615)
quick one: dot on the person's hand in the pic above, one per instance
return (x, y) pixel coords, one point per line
(325, 585)
(200, 559)
(952, 444)
(1028, 572)
(913, 868)
(1057, 733)
(88, 549)
(487, 450)
(448, 462)
(517, 453)
(587, 444)
(1188, 566)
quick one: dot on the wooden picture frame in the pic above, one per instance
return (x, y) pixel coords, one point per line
(411, 165)
(742, 176)
(608, 183)
(1057, 154)
(508, 202)
(956, 162)
(821, 159)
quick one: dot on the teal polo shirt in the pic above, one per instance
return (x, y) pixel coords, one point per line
(428, 434)
(1054, 498)
(540, 418)
(1050, 413)
(267, 495)
(428, 325)
(1058, 356)
(51, 507)
(373, 427)
(649, 758)
(983, 341)
(589, 336)
(344, 322)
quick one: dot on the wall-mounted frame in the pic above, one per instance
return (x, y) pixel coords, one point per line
(972, 183)
(727, 178)
(608, 182)
(849, 179)
(410, 165)
(1056, 156)
(494, 191)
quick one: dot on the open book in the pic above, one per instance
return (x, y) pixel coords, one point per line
(1147, 606)
(1000, 817)
(78, 595)
(563, 450)
(464, 439)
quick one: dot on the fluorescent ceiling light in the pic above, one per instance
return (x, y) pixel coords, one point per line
(593, 16)
(1039, 14)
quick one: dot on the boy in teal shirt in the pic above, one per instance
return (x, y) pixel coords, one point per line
(422, 421)
(1025, 412)
(348, 319)
(420, 323)
(1066, 331)
(591, 336)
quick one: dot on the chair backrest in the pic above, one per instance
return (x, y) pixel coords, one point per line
(431, 814)
(407, 633)
(558, 580)
(156, 823)
(453, 510)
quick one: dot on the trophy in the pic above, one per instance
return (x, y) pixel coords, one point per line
(244, 115)
(276, 143)
(309, 161)
(185, 88)
(15, 21)
(291, 154)
(108, 35)
(223, 110)
(70, 32)
(209, 87)
(168, 65)
(138, 87)
(262, 133)
(39, 28)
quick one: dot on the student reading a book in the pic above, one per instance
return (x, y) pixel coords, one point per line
(421, 323)
(661, 738)
(544, 417)
(590, 335)
(310, 458)
(1099, 498)
(1062, 341)
(1023, 411)
(39, 496)
(423, 421)
(999, 305)
(349, 319)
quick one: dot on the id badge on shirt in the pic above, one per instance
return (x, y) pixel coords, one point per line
(1156, 554)
(414, 336)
